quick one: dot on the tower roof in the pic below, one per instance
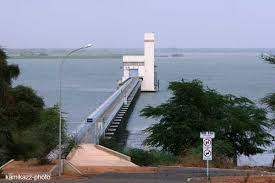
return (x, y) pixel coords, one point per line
(149, 36)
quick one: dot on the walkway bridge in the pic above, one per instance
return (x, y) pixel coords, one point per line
(108, 118)
(111, 116)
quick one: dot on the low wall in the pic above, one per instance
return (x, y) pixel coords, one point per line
(115, 153)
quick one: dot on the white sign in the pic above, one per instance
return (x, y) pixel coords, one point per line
(207, 145)
(207, 134)
(207, 149)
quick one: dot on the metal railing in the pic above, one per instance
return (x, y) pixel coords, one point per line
(97, 122)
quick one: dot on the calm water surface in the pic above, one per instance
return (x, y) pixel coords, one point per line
(87, 82)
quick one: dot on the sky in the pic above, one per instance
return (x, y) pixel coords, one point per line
(122, 23)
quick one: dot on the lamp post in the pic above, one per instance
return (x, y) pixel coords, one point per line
(60, 100)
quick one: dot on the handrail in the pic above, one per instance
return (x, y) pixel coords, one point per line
(107, 103)
(116, 98)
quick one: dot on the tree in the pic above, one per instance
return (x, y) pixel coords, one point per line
(240, 126)
(7, 104)
(269, 99)
(28, 128)
(46, 133)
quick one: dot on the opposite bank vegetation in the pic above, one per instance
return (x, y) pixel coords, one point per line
(29, 129)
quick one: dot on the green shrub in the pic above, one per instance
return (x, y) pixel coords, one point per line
(71, 144)
(141, 157)
(164, 158)
(111, 144)
(150, 158)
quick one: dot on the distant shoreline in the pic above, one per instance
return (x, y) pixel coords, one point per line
(119, 53)
(18, 58)
(89, 57)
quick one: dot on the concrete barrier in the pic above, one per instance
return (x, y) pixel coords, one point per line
(72, 152)
(55, 170)
(115, 153)
(69, 167)
(6, 164)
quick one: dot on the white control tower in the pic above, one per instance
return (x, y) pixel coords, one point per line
(143, 66)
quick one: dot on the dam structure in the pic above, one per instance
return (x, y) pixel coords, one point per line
(142, 66)
(111, 116)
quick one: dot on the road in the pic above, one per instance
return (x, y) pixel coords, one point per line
(173, 175)
(164, 175)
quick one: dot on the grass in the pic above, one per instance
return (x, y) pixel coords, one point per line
(150, 158)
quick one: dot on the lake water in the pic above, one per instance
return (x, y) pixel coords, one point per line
(87, 82)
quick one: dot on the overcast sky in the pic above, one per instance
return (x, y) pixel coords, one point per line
(121, 23)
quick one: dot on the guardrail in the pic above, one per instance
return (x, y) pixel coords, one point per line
(107, 103)
(105, 113)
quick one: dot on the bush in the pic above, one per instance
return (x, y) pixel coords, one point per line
(150, 158)
(142, 157)
(193, 158)
(111, 144)
(164, 158)
(71, 143)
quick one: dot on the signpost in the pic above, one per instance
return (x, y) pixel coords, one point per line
(207, 148)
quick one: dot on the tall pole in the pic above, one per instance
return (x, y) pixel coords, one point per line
(207, 169)
(60, 104)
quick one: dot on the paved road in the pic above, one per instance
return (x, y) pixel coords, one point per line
(164, 175)
(173, 175)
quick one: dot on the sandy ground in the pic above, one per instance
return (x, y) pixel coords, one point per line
(241, 179)
(89, 155)
(27, 167)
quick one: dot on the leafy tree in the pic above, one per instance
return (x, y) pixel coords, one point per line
(27, 128)
(7, 72)
(269, 99)
(240, 126)
(7, 104)
(46, 133)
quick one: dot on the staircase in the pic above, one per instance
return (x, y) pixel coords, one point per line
(120, 121)
(117, 121)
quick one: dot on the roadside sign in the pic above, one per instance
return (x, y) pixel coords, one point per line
(207, 153)
(207, 148)
(207, 134)
(207, 142)
(90, 120)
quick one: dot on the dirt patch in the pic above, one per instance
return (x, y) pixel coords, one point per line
(239, 179)
(27, 167)
(92, 170)
(258, 168)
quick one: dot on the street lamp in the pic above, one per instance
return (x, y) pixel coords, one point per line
(60, 99)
